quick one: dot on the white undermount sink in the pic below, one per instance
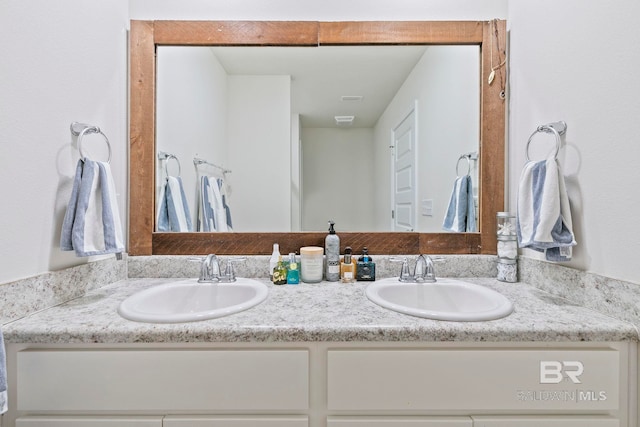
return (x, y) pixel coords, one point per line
(446, 299)
(188, 301)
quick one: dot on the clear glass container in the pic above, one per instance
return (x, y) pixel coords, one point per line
(508, 271)
(506, 225)
(311, 264)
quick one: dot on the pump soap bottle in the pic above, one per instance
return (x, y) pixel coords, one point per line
(332, 252)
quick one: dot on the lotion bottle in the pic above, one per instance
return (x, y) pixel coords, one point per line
(273, 261)
(332, 252)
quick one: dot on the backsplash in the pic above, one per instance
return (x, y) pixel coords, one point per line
(612, 297)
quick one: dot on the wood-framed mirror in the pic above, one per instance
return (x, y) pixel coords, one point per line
(146, 36)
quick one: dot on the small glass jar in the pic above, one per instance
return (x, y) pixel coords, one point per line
(507, 248)
(506, 225)
(311, 264)
(508, 271)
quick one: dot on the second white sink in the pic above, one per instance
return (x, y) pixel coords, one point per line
(446, 299)
(188, 301)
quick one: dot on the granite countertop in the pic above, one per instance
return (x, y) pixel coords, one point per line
(317, 312)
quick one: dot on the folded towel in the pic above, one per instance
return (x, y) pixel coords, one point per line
(223, 190)
(3, 376)
(213, 213)
(461, 213)
(543, 220)
(91, 223)
(173, 213)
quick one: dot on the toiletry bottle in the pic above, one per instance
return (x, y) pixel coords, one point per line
(293, 275)
(347, 267)
(365, 267)
(332, 252)
(273, 261)
(279, 273)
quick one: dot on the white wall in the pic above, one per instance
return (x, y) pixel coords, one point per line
(259, 144)
(68, 62)
(578, 61)
(191, 114)
(338, 176)
(62, 61)
(445, 84)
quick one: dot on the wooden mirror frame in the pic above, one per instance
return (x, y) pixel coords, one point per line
(145, 36)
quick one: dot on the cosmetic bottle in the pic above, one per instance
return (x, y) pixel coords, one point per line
(279, 273)
(365, 267)
(347, 267)
(273, 261)
(293, 275)
(332, 252)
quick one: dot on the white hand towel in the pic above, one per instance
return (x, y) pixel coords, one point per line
(206, 213)
(543, 220)
(461, 213)
(174, 214)
(92, 224)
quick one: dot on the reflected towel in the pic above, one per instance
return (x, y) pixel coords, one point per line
(3, 376)
(91, 224)
(461, 213)
(213, 214)
(543, 220)
(173, 213)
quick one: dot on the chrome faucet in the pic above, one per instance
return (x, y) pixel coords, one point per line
(210, 270)
(423, 272)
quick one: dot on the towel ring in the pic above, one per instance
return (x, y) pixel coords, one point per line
(556, 128)
(167, 156)
(468, 164)
(89, 129)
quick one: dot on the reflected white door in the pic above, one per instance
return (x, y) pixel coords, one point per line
(403, 174)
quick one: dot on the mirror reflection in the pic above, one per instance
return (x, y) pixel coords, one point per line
(289, 137)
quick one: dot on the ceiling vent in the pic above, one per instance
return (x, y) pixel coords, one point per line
(352, 98)
(344, 120)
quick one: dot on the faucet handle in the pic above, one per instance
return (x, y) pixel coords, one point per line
(429, 272)
(405, 275)
(229, 272)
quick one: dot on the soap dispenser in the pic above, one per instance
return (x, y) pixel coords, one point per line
(293, 274)
(332, 252)
(347, 267)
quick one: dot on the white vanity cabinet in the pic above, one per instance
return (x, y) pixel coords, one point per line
(322, 384)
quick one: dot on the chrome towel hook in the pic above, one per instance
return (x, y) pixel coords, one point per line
(556, 128)
(81, 129)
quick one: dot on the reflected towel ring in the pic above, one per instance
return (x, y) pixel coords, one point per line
(168, 156)
(90, 129)
(556, 128)
(464, 156)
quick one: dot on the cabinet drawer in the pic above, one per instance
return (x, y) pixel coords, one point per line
(89, 422)
(157, 380)
(399, 422)
(474, 380)
(542, 421)
(236, 421)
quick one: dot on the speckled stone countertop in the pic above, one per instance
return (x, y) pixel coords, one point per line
(317, 312)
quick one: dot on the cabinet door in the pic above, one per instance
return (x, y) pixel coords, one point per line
(236, 421)
(541, 421)
(399, 422)
(89, 422)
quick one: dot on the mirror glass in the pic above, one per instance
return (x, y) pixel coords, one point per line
(291, 137)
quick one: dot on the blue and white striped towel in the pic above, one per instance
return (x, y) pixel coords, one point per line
(543, 220)
(461, 213)
(3, 376)
(91, 223)
(173, 213)
(213, 212)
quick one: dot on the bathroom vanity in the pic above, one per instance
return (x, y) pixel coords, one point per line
(321, 355)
